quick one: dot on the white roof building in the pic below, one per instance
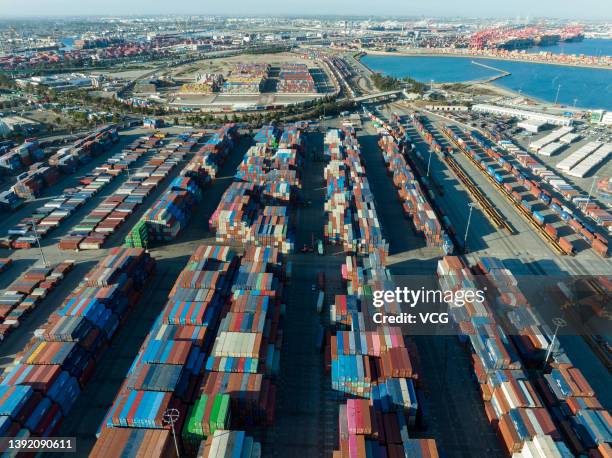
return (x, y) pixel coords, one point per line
(522, 114)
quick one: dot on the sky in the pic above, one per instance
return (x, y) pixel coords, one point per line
(579, 9)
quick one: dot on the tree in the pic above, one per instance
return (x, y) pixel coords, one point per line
(385, 83)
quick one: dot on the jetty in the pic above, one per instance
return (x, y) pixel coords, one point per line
(502, 73)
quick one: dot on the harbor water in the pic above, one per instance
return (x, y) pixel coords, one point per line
(583, 87)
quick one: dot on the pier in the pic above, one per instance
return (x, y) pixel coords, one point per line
(502, 73)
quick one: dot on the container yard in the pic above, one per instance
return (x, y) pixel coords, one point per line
(314, 235)
(246, 79)
(258, 248)
(256, 209)
(295, 79)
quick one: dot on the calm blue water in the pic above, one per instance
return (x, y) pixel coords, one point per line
(592, 88)
(591, 47)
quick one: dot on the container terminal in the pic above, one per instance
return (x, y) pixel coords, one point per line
(212, 203)
(171, 287)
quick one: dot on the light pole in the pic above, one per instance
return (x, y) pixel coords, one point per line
(429, 162)
(467, 228)
(575, 100)
(559, 323)
(557, 96)
(170, 417)
(591, 191)
(42, 254)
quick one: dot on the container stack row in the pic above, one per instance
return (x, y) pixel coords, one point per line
(246, 79)
(41, 386)
(10, 201)
(38, 177)
(82, 151)
(351, 218)
(426, 134)
(168, 215)
(374, 367)
(572, 402)
(168, 367)
(256, 209)
(516, 178)
(208, 359)
(21, 156)
(245, 356)
(230, 443)
(211, 154)
(24, 294)
(51, 215)
(512, 402)
(586, 230)
(414, 200)
(172, 211)
(512, 184)
(295, 79)
(113, 211)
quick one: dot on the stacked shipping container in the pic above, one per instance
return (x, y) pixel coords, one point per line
(351, 214)
(414, 200)
(24, 294)
(572, 402)
(40, 388)
(102, 222)
(210, 355)
(508, 174)
(255, 210)
(55, 211)
(513, 404)
(171, 212)
(21, 156)
(375, 365)
(295, 79)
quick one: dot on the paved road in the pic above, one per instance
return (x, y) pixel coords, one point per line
(307, 408)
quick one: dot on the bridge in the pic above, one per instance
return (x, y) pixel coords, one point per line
(377, 95)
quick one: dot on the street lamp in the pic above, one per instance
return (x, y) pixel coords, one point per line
(42, 254)
(559, 323)
(429, 162)
(170, 417)
(467, 228)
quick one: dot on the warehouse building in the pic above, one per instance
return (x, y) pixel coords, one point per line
(522, 114)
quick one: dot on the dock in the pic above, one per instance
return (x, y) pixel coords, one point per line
(502, 73)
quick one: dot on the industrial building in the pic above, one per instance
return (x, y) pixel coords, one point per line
(532, 125)
(63, 82)
(522, 114)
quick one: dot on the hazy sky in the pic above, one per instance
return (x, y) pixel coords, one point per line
(579, 9)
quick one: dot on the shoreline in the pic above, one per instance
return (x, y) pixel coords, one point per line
(497, 89)
(429, 53)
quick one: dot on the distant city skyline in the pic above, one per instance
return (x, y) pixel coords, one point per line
(584, 10)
